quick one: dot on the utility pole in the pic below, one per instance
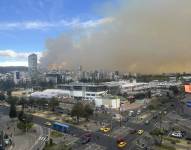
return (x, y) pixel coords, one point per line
(111, 122)
(111, 117)
(161, 131)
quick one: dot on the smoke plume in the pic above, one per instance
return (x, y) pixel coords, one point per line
(146, 36)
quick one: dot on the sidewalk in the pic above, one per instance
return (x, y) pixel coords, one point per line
(183, 145)
(21, 140)
(63, 118)
(24, 141)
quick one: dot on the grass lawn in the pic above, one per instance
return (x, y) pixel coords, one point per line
(170, 139)
(60, 146)
(56, 134)
(165, 147)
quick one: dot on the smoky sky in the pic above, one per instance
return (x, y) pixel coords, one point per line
(145, 36)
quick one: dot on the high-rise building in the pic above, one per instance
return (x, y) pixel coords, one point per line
(16, 77)
(32, 65)
(79, 73)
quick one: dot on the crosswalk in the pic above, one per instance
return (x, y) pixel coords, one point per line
(43, 138)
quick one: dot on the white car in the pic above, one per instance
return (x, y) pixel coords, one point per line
(7, 141)
(138, 112)
(131, 112)
(117, 117)
(177, 134)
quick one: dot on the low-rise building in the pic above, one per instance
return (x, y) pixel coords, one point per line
(108, 101)
(77, 90)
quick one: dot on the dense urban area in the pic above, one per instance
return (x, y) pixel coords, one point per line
(59, 109)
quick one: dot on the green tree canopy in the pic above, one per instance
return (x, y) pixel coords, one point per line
(77, 111)
(12, 111)
(53, 103)
(88, 111)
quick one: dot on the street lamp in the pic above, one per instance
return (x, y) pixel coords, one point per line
(111, 117)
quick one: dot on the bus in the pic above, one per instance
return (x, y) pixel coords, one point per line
(61, 127)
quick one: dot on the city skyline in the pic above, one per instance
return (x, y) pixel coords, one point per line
(95, 74)
(112, 35)
(26, 25)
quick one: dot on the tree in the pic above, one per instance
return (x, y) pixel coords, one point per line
(25, 126)
(12, 112)
(23, 103)
(88, 111)
(7, 85)
(2, 96)
(25, 121)
(77, 110)
(12, 99)
(9, 93)
(42, 102)
(158, 133)
(149, 94)
(174, 89)
(53, 103)
(21, 116)
(31, 102)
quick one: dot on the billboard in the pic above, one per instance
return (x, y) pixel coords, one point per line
(187, 88)
(188, 104)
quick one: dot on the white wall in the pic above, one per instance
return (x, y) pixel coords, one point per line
(113, 103)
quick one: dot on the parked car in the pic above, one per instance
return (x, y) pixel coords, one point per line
(177, 134)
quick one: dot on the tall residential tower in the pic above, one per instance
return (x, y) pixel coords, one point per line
(32, 65)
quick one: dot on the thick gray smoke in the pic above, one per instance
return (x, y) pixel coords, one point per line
(147, 36)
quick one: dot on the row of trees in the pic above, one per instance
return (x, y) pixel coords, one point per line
(25, 121)
(40, 103)
(81, 110)
(51, 104)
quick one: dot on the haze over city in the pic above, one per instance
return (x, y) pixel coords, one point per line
(95, 75)
(112, 35)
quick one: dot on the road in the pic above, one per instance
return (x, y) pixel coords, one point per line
(40, 142)
(103, 139)
(98, 137)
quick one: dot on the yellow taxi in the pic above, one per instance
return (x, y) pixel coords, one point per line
(140, 132)
(122, 144)
(104, 129)
(47, 123)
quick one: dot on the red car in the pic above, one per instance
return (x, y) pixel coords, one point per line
(85, 138)
(121, 143)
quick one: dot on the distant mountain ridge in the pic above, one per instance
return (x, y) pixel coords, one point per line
(12, 68)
